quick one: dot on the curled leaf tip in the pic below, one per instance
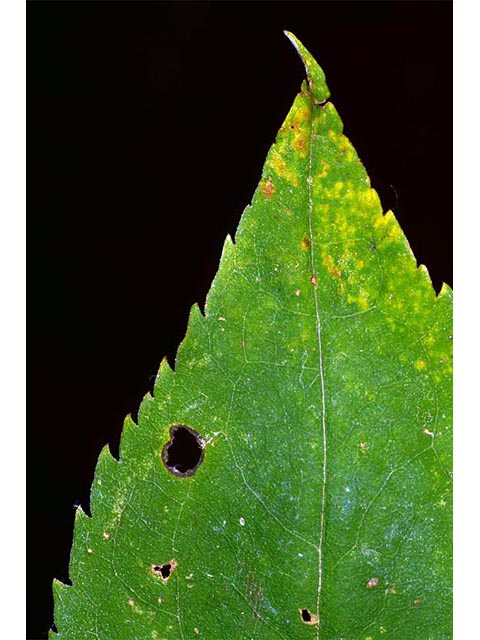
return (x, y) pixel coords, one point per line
(316, 78)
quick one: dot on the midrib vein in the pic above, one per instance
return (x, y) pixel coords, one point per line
(321, 375)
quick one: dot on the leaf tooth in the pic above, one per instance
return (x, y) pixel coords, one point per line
(228, 251)
(225, 271)
(82, 541)
(106, 466)
(423, 270)
(61, 596)
(59, 587)
(445, 292)
(107, 456)
(80, 515)
(195, 316)
(196, 320)
(396, 233)
(165, 368)
(425, 283)
(228, 241)
(128, 433)
(164, 380)
(192, 341)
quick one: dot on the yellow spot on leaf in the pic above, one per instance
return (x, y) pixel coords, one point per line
(332, 268)
(278, 164)
(420, 364)
(333, 135)
(361, 300)
(324, 170)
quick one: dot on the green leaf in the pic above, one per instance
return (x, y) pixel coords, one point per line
(291, 478)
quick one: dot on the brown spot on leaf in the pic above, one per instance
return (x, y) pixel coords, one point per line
(268, 188)
(373, 582)
(305, 244)
(299, 143)
(417, 601)
(314, 280)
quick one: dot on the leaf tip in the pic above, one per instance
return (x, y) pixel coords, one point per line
(316, 77)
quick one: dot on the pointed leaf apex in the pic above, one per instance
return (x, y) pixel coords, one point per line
(315, 75)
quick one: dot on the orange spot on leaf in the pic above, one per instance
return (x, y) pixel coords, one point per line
(268, 188)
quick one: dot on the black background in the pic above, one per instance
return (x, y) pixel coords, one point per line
(148, 124)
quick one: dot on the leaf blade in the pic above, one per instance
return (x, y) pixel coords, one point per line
(320, 338)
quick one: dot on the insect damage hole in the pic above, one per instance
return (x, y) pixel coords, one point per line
(308, 617)
(183, 453)
(164, 571)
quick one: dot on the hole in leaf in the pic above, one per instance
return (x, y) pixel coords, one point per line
(164, 571)
(308, 617)
(183, 454)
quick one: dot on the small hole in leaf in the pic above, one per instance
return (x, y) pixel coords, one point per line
(308, 617)
(164, 571)
(183, 453)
